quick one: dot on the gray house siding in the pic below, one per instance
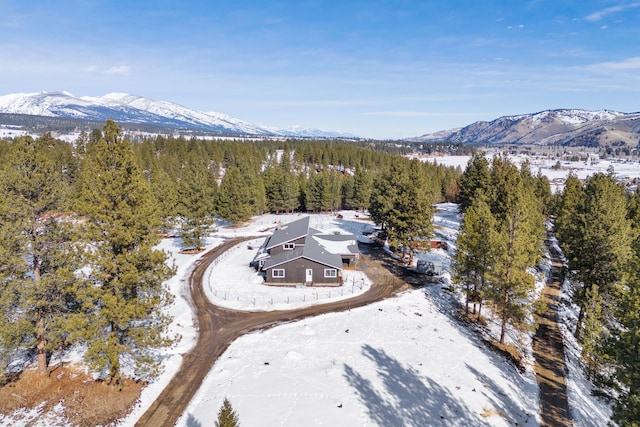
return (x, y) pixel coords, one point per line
(296, 273)
(277, 250)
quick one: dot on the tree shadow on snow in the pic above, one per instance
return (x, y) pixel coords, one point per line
(406, 398)
(500, 399)
(192, 421)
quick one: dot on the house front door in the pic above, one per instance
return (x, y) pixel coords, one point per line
(309, 275)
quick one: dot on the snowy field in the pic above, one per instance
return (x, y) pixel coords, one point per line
(404, 361)
(399, 362)
(623, 169)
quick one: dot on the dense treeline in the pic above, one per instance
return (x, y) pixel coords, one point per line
(78, 266)
(500, 237)
(598, 227)
(196, 181)
(79, 222)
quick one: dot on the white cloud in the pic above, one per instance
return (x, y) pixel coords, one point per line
(604, 27)
(123, 70)
(628, 64)
(91, 69)
(596, 16)
(417, 114)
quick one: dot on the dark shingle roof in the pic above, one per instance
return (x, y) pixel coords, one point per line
(312, 250)
(288, 232)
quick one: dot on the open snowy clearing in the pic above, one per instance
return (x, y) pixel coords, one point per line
(402, 361)
(396, 362)
(622, 169)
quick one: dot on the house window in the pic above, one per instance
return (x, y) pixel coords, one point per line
(289, 246)
(278, 273)
(330, 272)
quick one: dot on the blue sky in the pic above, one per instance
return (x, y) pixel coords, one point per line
(382, 69)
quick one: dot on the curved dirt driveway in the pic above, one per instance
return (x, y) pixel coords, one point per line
(219, 327)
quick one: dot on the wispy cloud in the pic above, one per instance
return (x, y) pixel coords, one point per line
(123, 70)
(597, 16)
(629, 64)
(417, 114)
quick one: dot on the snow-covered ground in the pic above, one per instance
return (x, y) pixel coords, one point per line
(622, 169)
(397, 362)
(233, 284)
(583, 405)
(402, 361)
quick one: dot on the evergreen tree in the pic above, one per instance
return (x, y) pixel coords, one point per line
(542, 190)
(165, 191)
(475, 178)
(603, 240)
(123, 294)
(625, 350)
(520, 237)
(594, 330)
(363, 187)
(235, 198)
(624, 343)
(195, 201)
(474, 257)
(227, 416)
(402, 203)
(322, 192)
(414, 208)
(382, 199)
(566, 224)
(272, 181)
(38, 257)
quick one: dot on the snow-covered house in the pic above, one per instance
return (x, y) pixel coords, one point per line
(298, 254)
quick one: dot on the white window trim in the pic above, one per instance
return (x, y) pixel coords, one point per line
(331, 273)
(289, 246)
(278, 270)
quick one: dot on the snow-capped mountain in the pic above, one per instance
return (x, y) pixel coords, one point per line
(298, 131)
(550, 127)
(126, 108)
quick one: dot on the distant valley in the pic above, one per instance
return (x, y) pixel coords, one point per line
(551, 127)
(62, 112)
(65, 114)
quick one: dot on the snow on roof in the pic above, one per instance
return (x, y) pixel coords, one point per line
(341, 244)
(312, 250)
(288, 232)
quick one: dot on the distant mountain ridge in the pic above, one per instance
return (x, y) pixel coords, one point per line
(549, 127)
(132, 109)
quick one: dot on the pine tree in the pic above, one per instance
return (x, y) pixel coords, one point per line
(165, 191)
(624, 344)
(235, 200)
(38, 257)
(520, 236)
(196, 201)
(402, 203)
(594, 330)
(363, 186)
(474, 255)
(475, 178)
(625, 350)
(227, 416)
(603, 240)
(123, 295)
(382, 199)
(566, 224)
